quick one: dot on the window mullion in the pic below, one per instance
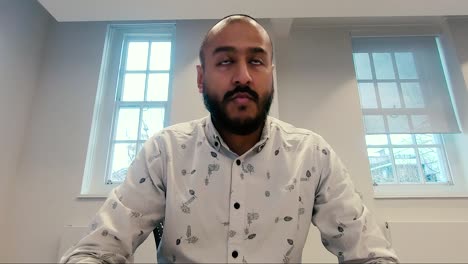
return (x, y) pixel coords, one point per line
(418, 160)
(392, 158)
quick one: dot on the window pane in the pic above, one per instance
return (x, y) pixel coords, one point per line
(123, 155)
(374, 124)
(127, 125)
(430, 162)
(398, 124)
(405, 65)
(406, 165)
(158, 86)
(376, 140)
(160, 56)
(424, 139)
(137, 56)
(401, 139)
(152, 122)
(389, 96)
(362, 66)
(421, 123)
(412, 95)
(383, 66)
(134, 87)
(381, 165)
(367, 95)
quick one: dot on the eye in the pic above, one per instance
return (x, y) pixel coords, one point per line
(225, 62)
(256, 62)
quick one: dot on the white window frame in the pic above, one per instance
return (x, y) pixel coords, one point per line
(99, 155)
(458, 186)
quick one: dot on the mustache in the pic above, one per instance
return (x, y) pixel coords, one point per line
(241, 89)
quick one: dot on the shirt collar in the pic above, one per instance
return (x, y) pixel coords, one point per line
(217, 142)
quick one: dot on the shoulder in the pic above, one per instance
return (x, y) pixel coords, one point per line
(291, 132)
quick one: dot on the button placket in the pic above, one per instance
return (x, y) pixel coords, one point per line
(236, 213)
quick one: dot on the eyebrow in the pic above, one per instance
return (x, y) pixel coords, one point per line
(232, 49)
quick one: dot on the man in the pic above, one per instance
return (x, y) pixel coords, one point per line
(237, 186)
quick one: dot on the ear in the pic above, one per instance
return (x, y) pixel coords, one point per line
(200, 78)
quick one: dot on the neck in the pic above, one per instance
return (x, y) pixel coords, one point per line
(240, 144)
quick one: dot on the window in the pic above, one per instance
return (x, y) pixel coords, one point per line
(406, 109)
(133, 101)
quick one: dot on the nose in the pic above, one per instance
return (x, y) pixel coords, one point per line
(242, 75)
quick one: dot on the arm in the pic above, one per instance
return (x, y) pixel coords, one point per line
(129, 214)
(347, 228)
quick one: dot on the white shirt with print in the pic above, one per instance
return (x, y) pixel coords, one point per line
(224, 208)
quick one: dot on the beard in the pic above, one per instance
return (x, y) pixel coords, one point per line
(237, 126)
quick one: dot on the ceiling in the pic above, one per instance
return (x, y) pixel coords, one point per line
(112, 10)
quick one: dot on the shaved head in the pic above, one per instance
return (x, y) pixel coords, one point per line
(236, 18)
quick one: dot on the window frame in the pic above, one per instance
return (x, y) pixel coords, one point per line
(110, 87)
(458, 186)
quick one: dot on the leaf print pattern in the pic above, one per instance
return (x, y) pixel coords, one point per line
(260, 148)
(214, 155)
(307, 177)
(114, 205)
(94, 226)
(190, 239)
(135, 214)
(276, 152)
(244, 261)
(286, 258)
(286, 219)
(185, 206)
(232, 233)
(267, 193)
(142, 180)
(248, 169)
(211, 169)
(340, 228)
(325, 151)
(252, 217)
(268, 175)
(104, 233)
(251, 236)
(289, 187)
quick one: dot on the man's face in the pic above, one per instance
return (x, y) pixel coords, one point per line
(237, 78)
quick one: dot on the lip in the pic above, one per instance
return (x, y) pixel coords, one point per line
(242, 96)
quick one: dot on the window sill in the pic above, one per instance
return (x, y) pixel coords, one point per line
(421, 196)
(91, 197)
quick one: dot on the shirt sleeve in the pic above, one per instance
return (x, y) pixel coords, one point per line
(348, 229)
(129, 214)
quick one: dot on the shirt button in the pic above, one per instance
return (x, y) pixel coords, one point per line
(238, 162)
(236, 205)
(235, 254)
(216, 143)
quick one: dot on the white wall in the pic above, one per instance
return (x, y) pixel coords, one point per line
(317, 90)
(23, 26)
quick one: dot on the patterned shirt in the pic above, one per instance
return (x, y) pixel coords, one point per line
(221, 207)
